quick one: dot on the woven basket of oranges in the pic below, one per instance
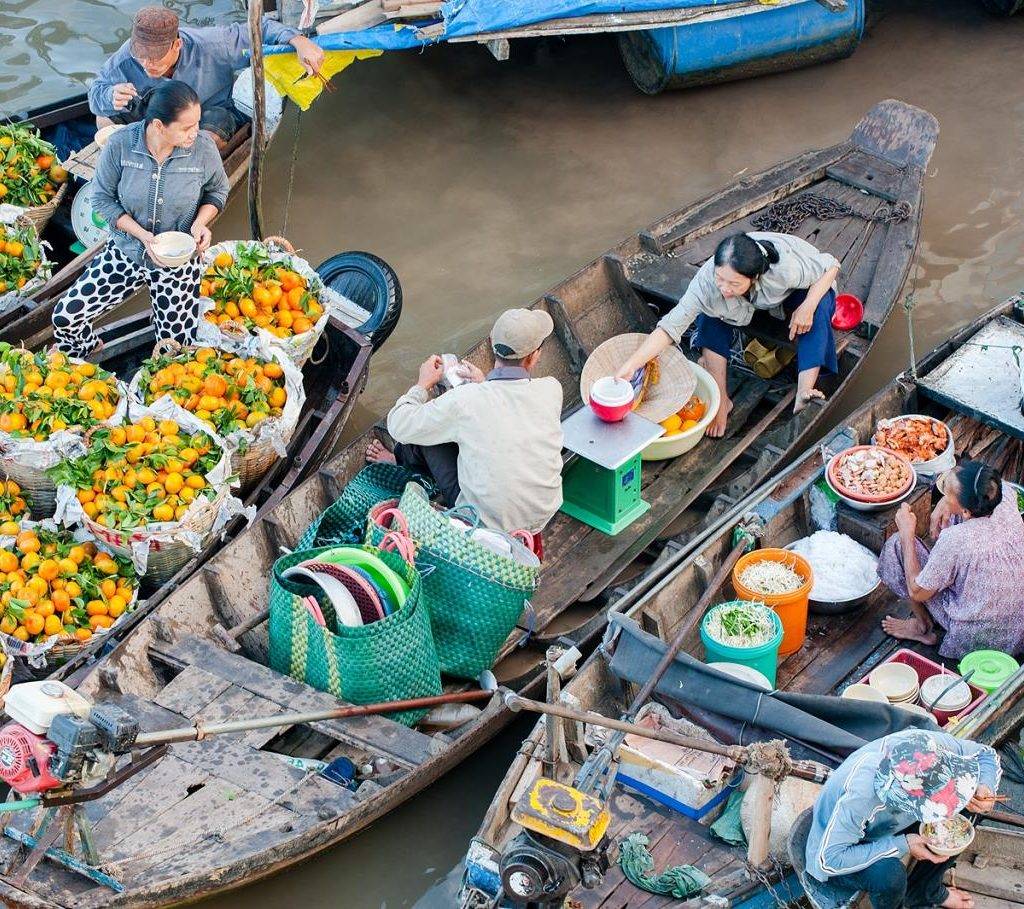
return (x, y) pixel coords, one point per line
(252, 403)
(151, 489)
(30, 175)
(263, 291)
(23, 263)
(48, 401)
(58, 590)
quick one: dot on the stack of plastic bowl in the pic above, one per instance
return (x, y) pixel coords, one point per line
(611, 398)
(952, 701)
(897, 681)
(860, 692)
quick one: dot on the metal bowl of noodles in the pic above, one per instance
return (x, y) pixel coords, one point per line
(839, 607)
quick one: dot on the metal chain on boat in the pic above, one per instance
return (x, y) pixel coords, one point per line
(773, 877)
(786, 216)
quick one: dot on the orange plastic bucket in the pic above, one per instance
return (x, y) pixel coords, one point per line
(791, 608)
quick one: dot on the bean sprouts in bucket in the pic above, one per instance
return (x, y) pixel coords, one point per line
(770, 578)
(741, 624)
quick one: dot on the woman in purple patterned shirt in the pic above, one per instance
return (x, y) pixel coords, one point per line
(971, 583)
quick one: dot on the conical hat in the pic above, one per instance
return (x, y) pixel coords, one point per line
(676, 382)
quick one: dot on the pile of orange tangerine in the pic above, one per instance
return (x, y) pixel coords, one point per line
(688, 416)
(52, 585)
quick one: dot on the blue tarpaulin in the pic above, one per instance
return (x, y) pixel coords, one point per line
(473, 17)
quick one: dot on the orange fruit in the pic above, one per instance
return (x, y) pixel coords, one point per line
(53, 625)
(49, 569)
(223, 260)
(27, 541)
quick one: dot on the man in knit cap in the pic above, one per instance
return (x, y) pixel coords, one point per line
(204, 58)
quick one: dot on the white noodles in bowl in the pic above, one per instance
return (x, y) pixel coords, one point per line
(842, 568)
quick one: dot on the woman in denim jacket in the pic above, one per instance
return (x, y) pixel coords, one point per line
(157, 175)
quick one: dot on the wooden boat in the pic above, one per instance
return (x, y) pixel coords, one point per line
(839, 649)
(244, 812)
(739, 44)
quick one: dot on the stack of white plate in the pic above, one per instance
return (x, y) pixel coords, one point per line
(954, 700)
(897, 681)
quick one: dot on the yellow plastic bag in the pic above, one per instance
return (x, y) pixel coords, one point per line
(288, 76)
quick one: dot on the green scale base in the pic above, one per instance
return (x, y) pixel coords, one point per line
(607, 500)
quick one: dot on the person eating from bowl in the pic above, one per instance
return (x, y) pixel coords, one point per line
(867, 816)
(971, 583)
(204, 58)
(748, 272)
(159, 175)
(495, 442)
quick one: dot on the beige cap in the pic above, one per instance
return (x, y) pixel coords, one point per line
(519, 332)
(153, 32)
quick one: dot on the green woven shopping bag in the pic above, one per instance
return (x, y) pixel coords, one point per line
(344, 520)
(475, 596)
(391, 659)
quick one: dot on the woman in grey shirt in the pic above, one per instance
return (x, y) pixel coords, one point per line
(157, 175)
(777, 272)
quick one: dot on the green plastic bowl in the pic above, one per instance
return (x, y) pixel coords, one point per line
(381, 574)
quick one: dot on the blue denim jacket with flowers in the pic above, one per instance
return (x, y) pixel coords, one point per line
(159, 197)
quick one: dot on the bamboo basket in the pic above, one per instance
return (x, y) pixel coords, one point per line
(166, 557)
(249, 466)
(40, 215)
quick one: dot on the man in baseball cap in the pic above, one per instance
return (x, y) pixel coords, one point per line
(494, 441)
(204, 58)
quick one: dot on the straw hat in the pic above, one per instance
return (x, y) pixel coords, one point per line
(676, 383)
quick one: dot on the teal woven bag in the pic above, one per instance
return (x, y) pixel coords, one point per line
(343, 521)
(475, 596)
(391, 659)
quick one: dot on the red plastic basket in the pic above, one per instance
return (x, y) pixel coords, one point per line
(925, 669)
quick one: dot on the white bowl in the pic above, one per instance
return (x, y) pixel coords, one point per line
(940, 463)
(612, 392)
(860, 692)
(957, 819)
(915, 709)
(958, 697)
(897, 681)
(172, 248)
(869, 506)
(104, 133)
(744, 673)
(673, 446)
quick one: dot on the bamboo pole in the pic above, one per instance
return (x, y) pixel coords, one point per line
(259, 120)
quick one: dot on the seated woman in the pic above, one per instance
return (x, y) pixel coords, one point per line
(971, 583)
(748, 272)
(157, 175)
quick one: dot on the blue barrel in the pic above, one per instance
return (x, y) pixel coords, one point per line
(769, 41)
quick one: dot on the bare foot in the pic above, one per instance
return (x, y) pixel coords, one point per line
(908, 630)
(802, 400)
(958, 899)
(716, 428)
(376, 453)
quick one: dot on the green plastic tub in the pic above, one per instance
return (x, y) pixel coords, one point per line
(991, 668)
(764, 658)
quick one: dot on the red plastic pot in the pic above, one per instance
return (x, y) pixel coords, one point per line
(611, 399)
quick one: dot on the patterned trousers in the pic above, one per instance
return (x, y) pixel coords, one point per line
(110, 279)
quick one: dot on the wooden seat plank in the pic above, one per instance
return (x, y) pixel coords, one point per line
(376, 733)
(868, 173)
(664, 277)
(191, 690)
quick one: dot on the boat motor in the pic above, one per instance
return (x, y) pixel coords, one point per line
(72, 751)
(562, 845)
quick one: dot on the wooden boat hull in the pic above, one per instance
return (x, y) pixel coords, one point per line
(245, 813)
(773, 40)
(838, 650)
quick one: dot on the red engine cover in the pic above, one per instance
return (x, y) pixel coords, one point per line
(25, 760)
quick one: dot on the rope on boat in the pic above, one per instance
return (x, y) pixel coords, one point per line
(770, 759)
(787, 215)
(637, 863)
(291, 172)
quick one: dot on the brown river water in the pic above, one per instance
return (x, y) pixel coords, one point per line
(484, 183)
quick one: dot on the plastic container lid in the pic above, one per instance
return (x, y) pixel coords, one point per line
(991, 668)
(612, 392)
(35, 704)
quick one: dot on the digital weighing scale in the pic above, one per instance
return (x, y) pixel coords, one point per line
(601, 487)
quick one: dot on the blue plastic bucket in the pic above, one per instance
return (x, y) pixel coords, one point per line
(764, 658)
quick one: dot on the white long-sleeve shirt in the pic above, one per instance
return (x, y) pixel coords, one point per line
(509, 434)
